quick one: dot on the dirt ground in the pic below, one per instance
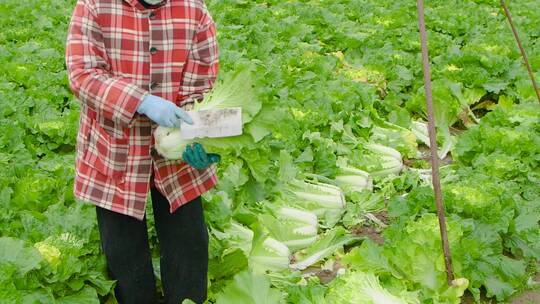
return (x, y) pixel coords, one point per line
(529, 297)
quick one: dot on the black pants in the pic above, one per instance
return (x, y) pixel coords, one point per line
(183, 240)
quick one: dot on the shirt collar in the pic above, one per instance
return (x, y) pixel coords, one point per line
(136, 4)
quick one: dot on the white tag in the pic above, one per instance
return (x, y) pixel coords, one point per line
(213, 124)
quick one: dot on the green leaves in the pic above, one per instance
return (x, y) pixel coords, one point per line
(234, 91)
(333, 240)
(27, 266)
(13, 253)
(364, 288)
(250, 288)
(325, 81)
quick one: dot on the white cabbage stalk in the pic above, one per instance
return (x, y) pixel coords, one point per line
(325, 200)
(308, 236)
(325, 246)
(298, 215)
(299, 237)
(420, 130)
(312, 259)
(355, 179)
(269, 254)
(169, 142)
(383, 150)
(306, 230)
(326, 195)
(357, 183)
(449, 142)
(239, 236)
(295, 228)
(391, 160)
(390, 166)
(276, 247)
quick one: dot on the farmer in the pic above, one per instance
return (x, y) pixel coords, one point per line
(134, 65)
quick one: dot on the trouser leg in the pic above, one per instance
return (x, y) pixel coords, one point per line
(183, 240)
(124, 240)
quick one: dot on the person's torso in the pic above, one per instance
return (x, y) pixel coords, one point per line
(149, 47)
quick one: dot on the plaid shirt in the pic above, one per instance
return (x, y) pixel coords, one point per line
(117, 52)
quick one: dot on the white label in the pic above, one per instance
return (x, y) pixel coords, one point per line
(213, 124)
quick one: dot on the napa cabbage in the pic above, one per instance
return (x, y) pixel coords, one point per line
(236, 90)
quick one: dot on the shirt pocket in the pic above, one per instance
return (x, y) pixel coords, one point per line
(105, 153)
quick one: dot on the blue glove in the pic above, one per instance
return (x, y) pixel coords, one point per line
(163, 112)
(196, 157)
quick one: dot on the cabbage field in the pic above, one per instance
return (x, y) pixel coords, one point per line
(327, 197)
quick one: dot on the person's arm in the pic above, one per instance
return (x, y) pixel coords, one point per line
(201, 68)
(89, 74)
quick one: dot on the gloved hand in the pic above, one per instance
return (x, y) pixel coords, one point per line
(162, 112)
(196, 157)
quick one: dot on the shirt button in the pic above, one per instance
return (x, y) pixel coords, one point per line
(152, 15)
(153, 50)
(153, 85)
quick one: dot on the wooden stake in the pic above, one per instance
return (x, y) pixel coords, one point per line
(521, 48)
(433, 145)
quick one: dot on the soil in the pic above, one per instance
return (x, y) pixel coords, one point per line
(528, 297)
(373, 232)
(325, 275)
(382, 216)
(369, 231)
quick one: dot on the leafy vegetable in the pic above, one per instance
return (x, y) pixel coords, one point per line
(235, 91)
(295, 228)
(390, 160)
(329, 243)
(325, 82)
(354, 179)
(250, 288)
(326, 201)
(364, 288)
(268, 253)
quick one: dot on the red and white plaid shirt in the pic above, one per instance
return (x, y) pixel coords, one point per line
(117, 52)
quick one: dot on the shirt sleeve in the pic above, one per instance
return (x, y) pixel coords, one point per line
(115, 98)
(201, 67)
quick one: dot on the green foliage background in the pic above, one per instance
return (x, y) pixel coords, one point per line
(319, 65)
